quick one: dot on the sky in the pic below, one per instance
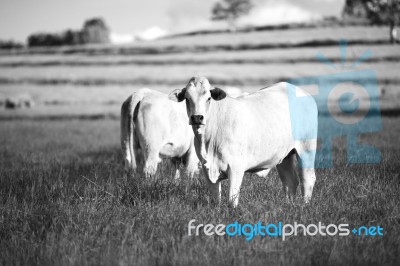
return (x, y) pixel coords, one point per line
(19, 18)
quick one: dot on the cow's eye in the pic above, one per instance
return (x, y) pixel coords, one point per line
(209, 99)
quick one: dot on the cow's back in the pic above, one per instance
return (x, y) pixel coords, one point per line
(258, 126)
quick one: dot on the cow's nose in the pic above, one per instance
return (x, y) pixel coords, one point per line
(197, 119)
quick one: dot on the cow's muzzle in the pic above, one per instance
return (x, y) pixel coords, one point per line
(197, 120)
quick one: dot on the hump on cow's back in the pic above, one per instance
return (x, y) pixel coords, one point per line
(275, 87)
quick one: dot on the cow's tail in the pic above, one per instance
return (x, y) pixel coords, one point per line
(129, 143)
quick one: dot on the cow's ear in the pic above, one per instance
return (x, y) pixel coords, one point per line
(217, 94)
(177, 95)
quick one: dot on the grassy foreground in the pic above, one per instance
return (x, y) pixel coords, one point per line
(64, 199)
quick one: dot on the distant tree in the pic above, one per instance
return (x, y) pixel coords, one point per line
(68, 37)
(33, 40)
(44, 39)
(10, 44)
(230, 11)
(95, 30)
(72, 37)
(379, 12)
(355, 8)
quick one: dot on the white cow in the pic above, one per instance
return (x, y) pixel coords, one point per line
(251, 133)
(153, 127)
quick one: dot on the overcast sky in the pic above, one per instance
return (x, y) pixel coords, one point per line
(19, 18)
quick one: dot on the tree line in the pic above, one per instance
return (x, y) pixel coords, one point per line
(377, 12)
(10, 44)
(94, 30)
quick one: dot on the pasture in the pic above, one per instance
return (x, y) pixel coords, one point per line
(65, 199)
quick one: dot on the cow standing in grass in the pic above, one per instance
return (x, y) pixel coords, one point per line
(152, 128)
(251, 133)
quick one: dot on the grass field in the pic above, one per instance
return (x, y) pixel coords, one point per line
(65, 199)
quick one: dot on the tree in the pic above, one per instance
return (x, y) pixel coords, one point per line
(95, 30)
(72, 37)
(44, 39)
(68, 37)
(230, 10)
(379, 12)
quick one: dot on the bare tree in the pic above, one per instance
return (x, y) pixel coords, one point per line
(230, 10)
(380, 12)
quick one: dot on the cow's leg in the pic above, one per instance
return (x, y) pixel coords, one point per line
(235, 182)
(152, 159)
(307, 176)
(306, 159)
(215, 190)
(177, 167)
(287, 173)
(129, 164)
(172, 165)
(176, 170)
(139, 161)
(191, 163)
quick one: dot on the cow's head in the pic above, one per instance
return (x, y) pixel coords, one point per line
(198, 94)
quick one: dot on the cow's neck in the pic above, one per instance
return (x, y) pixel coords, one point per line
(208, 140)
